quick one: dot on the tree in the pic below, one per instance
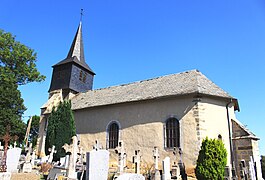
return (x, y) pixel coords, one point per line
(17, 67)
(11, 107)
(18, 60)
(212, 160)
(263, 166)
(34, 129)
(61, 128)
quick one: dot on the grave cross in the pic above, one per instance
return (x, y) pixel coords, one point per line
(52, 151)
(156, 157)
(122, 156)
(137, 161)
(97, 146)
(6, 138)
(73, 149)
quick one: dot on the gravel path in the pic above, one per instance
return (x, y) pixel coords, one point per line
(25, 176)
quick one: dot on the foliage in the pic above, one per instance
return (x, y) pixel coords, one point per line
(61, 128)
(17, 67)
(34, 130)
(263, 166)
(212, 160)
(11, 107)
(18, 60)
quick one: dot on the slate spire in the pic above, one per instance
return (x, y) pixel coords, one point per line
(76, 52)
(72, 74)
(77, 47)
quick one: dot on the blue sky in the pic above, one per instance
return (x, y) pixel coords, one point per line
(127, 41)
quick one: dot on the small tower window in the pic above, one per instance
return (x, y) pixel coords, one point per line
(172, 133)
(82, 76)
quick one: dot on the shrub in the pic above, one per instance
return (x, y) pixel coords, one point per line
(212, 160)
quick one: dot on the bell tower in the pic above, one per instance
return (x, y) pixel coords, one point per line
(72, 75)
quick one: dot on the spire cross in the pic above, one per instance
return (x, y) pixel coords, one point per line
(81, 13)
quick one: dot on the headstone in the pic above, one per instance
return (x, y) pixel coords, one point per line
(252, 172)
(130, 176)
(62, 161)
(57, 171)
(12, 160)
(156, 157)
(44, 159)
(73, 149)
(175, 172)
(97, 146)
(137, 161)
(52, 151)
(33, 157)
(156, 175)
(166, 169)
(27, 166)
(5, 175)
(120, 150)
(97, 165)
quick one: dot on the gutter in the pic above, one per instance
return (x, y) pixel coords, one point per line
(234, 175)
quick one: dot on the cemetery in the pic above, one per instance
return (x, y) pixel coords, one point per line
(93, 165)
(155, 129)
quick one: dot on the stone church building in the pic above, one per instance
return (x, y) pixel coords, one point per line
(177, 110)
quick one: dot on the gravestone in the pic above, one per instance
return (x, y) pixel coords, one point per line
(97, 165)
(120, 150)
(52, 151)
(33, 157)
(252, 172)
(5, 175)
(73, 149)
(12, 159)
(27, 166)
(156, 175)
(130, 176)
(166, 169)
(137, 161)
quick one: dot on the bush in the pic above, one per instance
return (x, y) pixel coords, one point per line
(212, 160)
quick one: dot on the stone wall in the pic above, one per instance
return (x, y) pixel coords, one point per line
(142, 126)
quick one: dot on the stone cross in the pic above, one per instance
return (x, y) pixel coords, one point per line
(175, 153)
(6, 139)
(137, 161)
(97, 146)
(73, 149)
(52, 151)
(156, 157)
(122, 156)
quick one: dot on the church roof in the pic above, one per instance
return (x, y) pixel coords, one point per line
(76, 52)
(190, 82)
(248, 134)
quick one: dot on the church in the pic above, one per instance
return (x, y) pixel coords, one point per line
(168, 112)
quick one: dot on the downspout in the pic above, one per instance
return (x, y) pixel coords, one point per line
(234, 176)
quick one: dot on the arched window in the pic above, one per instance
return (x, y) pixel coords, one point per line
(113, 131)
(172, 133)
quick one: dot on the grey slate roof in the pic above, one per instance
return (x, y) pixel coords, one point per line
(76, 52)
(250, 134)
(170, 85)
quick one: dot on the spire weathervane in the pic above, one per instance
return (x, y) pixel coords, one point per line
(81, 13)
